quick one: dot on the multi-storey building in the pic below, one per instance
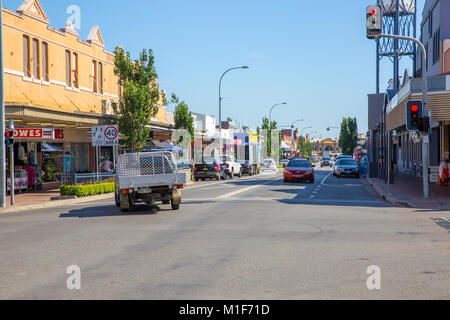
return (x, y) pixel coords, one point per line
(57, 87)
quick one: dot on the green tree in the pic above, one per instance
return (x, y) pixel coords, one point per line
(305, 148)
(138, 101)
(183, 117)
(348, 139)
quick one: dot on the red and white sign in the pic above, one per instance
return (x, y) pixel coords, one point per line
(105, 136)
(28, 134)
(59, 134)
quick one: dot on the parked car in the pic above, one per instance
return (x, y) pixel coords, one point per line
(210, 168)
(347, 167)
(326, 162)
(248, 168)
(299, 170)
(269, 164)
(232, 167)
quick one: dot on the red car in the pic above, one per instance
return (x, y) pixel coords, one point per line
(299, 170)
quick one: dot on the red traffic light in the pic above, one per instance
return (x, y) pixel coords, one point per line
(373, 12)
(414, 108)
(9, 134)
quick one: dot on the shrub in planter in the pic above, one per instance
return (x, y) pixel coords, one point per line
(87, 190)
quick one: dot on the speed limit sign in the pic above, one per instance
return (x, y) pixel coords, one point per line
(105, 136)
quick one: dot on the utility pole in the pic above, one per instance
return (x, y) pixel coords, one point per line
(2, 118)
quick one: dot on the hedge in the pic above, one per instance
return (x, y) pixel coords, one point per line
(87, 190)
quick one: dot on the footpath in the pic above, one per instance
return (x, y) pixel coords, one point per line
(408, 191)
(42, 200)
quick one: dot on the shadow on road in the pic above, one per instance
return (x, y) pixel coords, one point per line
(112, 211)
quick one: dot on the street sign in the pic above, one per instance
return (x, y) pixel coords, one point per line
(105, 136)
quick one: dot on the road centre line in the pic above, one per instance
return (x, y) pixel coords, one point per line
(231, 194)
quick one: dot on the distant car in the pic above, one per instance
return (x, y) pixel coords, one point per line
(284, 162)
(347, 167)
(269, 164)
(299, 170)
(210, 168)
(248, 168)
(326, 162)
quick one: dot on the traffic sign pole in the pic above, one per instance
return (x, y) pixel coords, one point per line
(11, 163)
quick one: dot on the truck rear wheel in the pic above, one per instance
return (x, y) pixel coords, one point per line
(175, 206)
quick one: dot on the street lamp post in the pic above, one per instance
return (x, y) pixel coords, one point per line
(270, 113)
(220, 103)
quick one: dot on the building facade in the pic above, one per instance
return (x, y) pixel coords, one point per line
(57, 86)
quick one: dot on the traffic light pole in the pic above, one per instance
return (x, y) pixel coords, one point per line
(11, 163)
(2, 120)
(426, 135)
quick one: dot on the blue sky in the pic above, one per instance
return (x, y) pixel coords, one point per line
(314, 55)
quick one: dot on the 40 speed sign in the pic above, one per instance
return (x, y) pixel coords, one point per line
(105, 136)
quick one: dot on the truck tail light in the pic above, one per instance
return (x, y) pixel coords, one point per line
(180, 187)
(125, 191)
(228, 166)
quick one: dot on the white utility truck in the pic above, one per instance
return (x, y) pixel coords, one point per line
(148, 177)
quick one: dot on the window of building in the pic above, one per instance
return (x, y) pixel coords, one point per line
(94, 76)
(36, 65)
(75, 70)
(26, 57)
(68, 69)
(100, 78)
(436, 46)
(430, 24)
(45, 76)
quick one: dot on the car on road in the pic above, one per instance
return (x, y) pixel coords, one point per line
(347, 167)
(210, 168)
(326, 162)
(269, 164)
(232, 167)
(248, 168)
(299, 170)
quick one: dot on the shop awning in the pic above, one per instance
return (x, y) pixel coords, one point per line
(46, 147)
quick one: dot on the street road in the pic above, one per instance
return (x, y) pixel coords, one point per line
(248, 238)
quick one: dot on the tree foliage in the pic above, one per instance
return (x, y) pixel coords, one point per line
(183, 117)
(305, 148)
(138, 101)
(348, 139)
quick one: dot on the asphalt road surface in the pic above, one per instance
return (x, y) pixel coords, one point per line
(248, 238)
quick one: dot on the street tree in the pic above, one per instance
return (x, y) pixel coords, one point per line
(348, 139)
(183, 117)
(305, 148)
(139, 97)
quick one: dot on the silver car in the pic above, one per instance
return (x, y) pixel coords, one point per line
(347, 167)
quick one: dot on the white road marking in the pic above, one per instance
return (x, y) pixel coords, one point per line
(231, 194)
(273, 199)
(325, 179)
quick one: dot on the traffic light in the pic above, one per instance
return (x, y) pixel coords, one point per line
(9, 138)
(374, 21)
(414, 115)
(424, 124)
